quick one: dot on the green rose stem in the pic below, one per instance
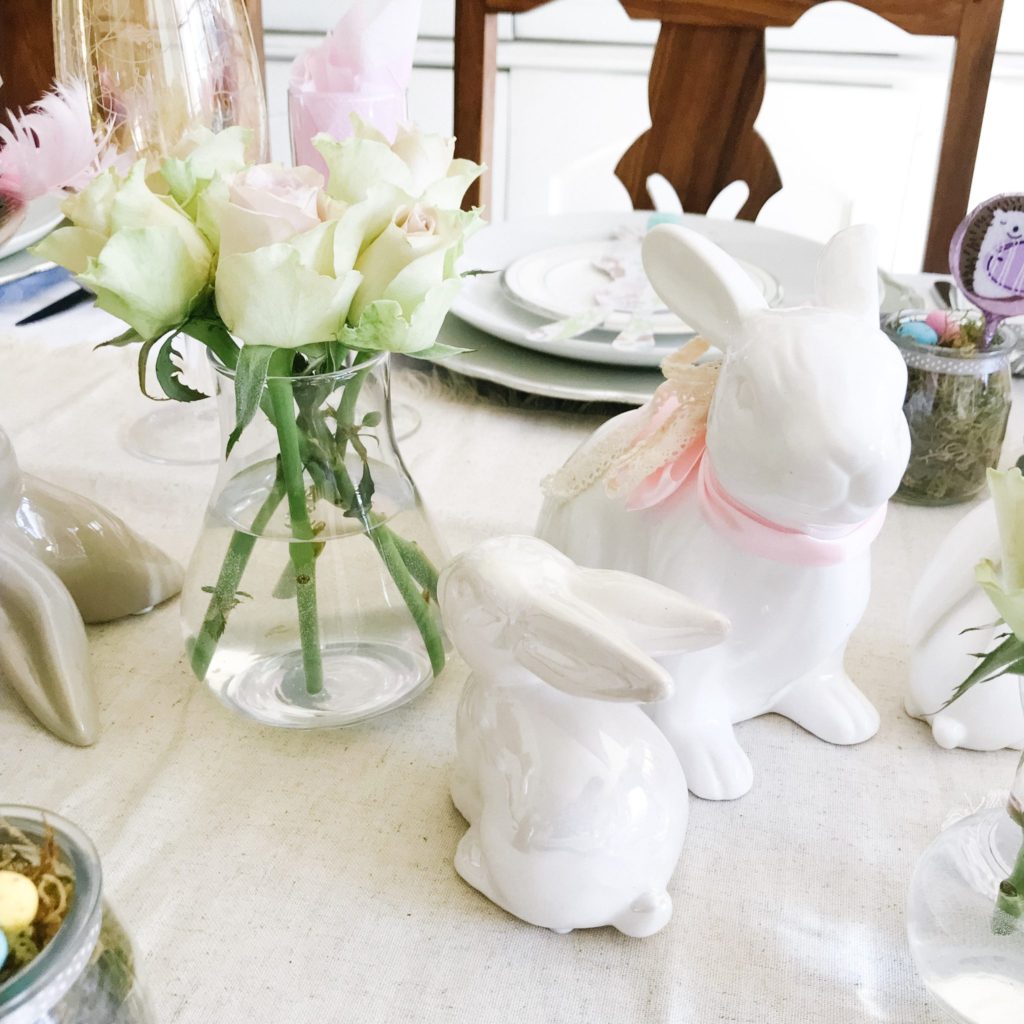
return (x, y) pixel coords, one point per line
(405, 561)
(1010, 901)
(394, 553)
(223, 598)
(279, 388)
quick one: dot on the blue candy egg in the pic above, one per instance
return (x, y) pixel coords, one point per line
(918, 331)
(3, 948)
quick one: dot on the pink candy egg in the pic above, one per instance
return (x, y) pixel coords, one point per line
(942, 324)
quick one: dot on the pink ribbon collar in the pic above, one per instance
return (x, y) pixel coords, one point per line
(744, 527)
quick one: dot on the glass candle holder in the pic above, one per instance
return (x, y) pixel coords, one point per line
(86, 974)
(957, 406)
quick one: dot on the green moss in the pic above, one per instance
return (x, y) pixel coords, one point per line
(957, 424)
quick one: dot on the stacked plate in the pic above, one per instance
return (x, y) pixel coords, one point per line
(562, 308)
(16, 262)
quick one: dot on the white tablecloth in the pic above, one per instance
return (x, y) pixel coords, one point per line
(274, 876)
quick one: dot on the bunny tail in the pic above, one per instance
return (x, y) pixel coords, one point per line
(948, 732)
(53, 146)
(647, 914)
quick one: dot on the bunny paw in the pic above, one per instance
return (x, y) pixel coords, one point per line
(715, 765)
(830, 707)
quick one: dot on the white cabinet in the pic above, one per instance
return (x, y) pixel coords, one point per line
(853, 112)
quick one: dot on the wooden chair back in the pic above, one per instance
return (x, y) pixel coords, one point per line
(702, 139)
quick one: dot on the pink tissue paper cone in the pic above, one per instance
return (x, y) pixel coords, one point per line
(363, 66)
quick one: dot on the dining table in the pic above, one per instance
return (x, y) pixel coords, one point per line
(273, 875)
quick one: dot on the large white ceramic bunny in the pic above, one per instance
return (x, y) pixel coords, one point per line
(770, 516)
(950, 620)
(577, 807)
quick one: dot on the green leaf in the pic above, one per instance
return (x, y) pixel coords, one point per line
(210, 330)
(168, 374)
(1007, 657)
(438, 352)
(250, 380)
(130, 337)
(372, 419)
(143, 361)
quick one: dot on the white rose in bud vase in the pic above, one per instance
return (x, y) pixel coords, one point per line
(262, 205)
(409, 279)
(288, 294)
(199, 159)
(146, 262)
(423, 166)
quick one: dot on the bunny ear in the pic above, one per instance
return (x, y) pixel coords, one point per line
(701, 283)
(847, 278)
(43, 650)
(578, 651)
(656, 618)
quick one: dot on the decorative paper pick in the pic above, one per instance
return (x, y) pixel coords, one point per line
(986, 258)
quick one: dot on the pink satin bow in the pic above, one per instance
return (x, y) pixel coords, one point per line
(745, 528)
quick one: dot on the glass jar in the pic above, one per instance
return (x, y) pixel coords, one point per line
(159, 68)
(310, 599)
(86, 975)
(957, 406)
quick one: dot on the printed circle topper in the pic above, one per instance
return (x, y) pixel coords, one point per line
(986, 258)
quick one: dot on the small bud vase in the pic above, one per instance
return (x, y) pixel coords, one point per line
(310, 599)
(965, 913)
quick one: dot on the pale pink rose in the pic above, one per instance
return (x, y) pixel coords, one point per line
(267, 203)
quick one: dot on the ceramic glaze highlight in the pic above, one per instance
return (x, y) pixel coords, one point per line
(805, 432)
(576, 805)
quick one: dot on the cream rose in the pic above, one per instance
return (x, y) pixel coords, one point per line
(264, 205)
(423, 166)
(146, 262)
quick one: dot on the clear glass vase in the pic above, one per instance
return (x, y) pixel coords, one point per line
(965, 914)
(158, 68)
(86, 974)
(310, 599)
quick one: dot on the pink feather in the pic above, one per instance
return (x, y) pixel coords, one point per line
(53, 146)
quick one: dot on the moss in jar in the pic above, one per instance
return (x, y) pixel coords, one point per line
(957, 424)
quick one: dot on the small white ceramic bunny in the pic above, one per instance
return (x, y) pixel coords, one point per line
(770, 519)
(950, 620)
(577, 807)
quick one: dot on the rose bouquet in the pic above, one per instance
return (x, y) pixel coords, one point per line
(298, 288)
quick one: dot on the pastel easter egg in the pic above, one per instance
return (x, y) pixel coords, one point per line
(919, 331)
(4, 948)
(19, 902)
(945, 326)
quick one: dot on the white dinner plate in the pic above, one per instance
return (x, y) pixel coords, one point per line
(42, 217)
(484, 304)
(561, 282)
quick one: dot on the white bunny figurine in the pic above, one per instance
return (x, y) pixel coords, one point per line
(951, 619)
(576, 806)
(764, 509)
